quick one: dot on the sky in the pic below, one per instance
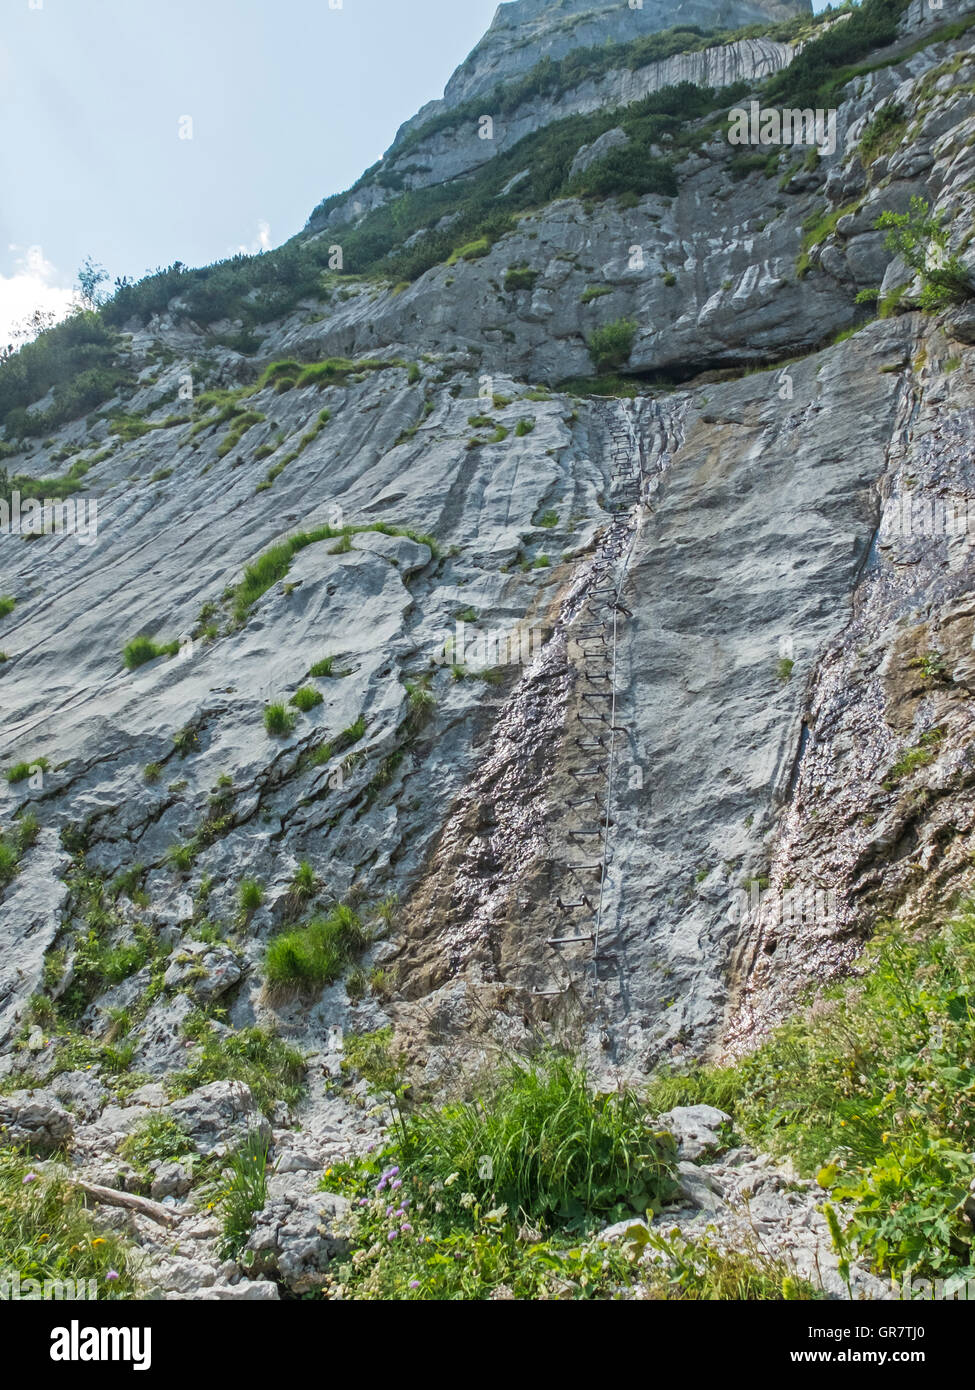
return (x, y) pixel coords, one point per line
(142, 132)
(287, 100)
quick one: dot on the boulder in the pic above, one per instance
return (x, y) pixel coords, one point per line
(35, 1120)
(697, 1129)
(299, 1232)
(219, 1117)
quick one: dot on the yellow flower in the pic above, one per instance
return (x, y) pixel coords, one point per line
(99, 1240)
(328, 1172)
(884, 1138)
(42, 1238)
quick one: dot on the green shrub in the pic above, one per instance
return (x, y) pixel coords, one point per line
(524, 427)
(278, 720)
(273, 1070)
(921, 239)
(323, 668)
(592, 292)
(250, 895)
(7, 606)
(912, 758)
(520, 277)
(882, 132)
(472, 251)
(610, 346)
(142, 649)
(157, 1137)
(13, 845)
(273, 565)
(314, 955)
(21, 771)
(306, 698)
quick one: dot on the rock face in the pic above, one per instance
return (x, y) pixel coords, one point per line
(755, 543)
(524, 31)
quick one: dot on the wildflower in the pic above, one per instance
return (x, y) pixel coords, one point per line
(396, 1184)
(99, 1240)
(394, 1172)
(414, 1283)
(449, 1182)
(112, 1275)
(42, 1238)
(391, 1236)
(467, 1199)
(29, 1177)
(363, 1201)
(406, 1228)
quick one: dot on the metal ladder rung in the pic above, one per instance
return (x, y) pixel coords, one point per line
(568, 940)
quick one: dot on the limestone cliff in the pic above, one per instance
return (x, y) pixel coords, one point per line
(719, 635)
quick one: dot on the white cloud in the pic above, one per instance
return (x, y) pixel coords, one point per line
(32, 286)
(262, 242)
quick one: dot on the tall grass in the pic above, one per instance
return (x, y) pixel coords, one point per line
(314, 955)
(274, 563)
(142, 649)
(46, 1233)
(244, 1194)
(872, 1090)
(541, 1141)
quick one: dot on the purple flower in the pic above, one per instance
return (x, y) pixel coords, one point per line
(391, 1236)
(396, 1184)
(363, 1201)
(381, 1186)
(414, 1283)
(112, 1274)
(389, 1211)
(406, 1228)
(394, 1172)
(29, 1177)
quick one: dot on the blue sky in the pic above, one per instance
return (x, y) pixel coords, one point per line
(290, 100)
